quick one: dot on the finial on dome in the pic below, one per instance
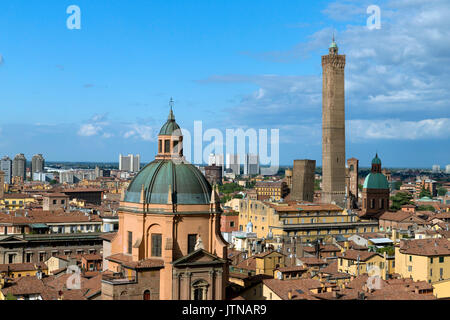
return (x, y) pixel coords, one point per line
(171, 116)
(333, 46)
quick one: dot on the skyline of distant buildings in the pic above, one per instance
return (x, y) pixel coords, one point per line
(130, 163)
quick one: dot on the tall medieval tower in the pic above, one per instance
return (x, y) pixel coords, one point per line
(333, 127)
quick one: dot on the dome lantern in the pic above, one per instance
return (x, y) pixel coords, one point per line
(170, 139)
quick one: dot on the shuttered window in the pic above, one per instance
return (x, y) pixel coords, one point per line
(156, 244)
(130, 242)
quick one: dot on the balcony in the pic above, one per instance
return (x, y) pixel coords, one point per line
(118, 279)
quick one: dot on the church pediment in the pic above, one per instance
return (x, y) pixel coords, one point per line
(198, 257)
(12, 239)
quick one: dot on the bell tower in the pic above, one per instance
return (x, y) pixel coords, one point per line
(333, 127)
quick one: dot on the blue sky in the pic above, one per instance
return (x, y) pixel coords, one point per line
(90, 94)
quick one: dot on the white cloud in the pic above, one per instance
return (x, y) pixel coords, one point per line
(401, 70)
(143, 132)
(396, 129)
(88, 130)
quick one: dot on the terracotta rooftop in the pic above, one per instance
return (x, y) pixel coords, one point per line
(312, 261)
(145, 264)
(17, 267)
(323, 248)
(399, 216)
(16, 196)
(108, 236)
(40, 216)
(426, 247)
(92, 256)
(353, 255)
(299, 288)
(28, 285)
(247, 264)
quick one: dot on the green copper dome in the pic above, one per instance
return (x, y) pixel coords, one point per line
(170, 126)
(187, 184)
(333, 45)
(376, 181)
(376, 160)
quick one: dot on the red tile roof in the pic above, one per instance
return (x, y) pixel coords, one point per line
(426, 247)
(353, 255)
(299, 288)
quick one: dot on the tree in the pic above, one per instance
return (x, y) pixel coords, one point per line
(425, 193)
(442, 191)
(400, 199)
(10, 296)
(251, 184)
(425, 208)
(397, 185)
(317, 185)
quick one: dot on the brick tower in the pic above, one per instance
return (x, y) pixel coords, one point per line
(333, 127)
(352, 183)
(303, 180)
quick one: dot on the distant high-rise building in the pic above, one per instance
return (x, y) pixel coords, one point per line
(251, 164)
(333, 127)
(37, 163)
(447, 168)
(19, 166)
(232, 162)
(303, 180)
(66, 177)
(6, 167)
(98, 172)
(130, 163)
(436, 168)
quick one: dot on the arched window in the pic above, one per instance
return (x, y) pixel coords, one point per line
(147, 295)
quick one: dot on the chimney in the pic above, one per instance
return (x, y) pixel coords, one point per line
(290, 295)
